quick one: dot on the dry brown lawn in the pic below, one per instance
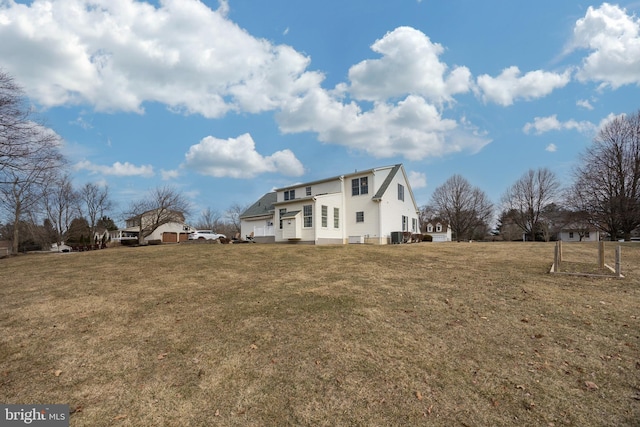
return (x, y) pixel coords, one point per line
(451, 334)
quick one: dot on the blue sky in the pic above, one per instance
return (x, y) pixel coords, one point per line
(227, 100)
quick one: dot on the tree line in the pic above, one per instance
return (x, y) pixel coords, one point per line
(604, 195)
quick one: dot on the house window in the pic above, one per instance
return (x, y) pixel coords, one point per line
(439, 228)
(405, 223)
(290, 194)
(281, 212)
(414, 225)
(307, 213)
(429, 228)
(360, 216)
(586, 234)
(336, 217)
(401, 192)
(307, 191)
(325, 216)
(359, 186)
(571, 234)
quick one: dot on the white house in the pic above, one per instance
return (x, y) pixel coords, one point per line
(361, 207)
(173, 231)
(578, 233)
(439, 230)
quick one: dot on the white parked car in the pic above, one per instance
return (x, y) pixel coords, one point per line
(205, 235)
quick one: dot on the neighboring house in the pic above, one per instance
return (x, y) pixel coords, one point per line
(173, 231)
(439, 230)
(578, 233)
(361, 207)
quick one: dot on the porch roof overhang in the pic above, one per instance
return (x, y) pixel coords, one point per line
(290, 214)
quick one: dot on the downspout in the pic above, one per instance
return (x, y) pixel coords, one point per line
(380, 221)
(343, 211)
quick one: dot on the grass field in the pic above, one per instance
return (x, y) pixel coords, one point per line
(451, 334)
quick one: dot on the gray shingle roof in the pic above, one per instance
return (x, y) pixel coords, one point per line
(386, 182)
(263, 206)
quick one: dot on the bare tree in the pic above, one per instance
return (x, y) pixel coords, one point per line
(209, 220)
(233, 217)
(21, 196)
(464, 206)
(60, 202)
(161, 206)
(23, 140)
(29, 154)
(95, 202)
(527, 198)
(427, 212)
(607, 182)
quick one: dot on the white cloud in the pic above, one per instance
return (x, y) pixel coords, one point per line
(584, 103)
(551, 148)
(511, 85)
(238, 158)
(410, 64)
(412, 128)
(541, 125)
(417, 179)
(119, 55)
(613, 39)
(168, 175)
(117, 169)
(116, 55)
(81, 122)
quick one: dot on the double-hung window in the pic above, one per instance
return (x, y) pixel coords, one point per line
(307, 214)
(360, 216)
(401, 192)
(290, 194)
(405, 223)
(359, 186)
(336, 217)
(325, 216)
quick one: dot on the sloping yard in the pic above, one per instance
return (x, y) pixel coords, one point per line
(467, 334)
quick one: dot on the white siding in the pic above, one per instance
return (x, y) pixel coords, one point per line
(392, 209)
(329, 234)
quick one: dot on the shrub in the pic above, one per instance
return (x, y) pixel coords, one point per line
(427, 238)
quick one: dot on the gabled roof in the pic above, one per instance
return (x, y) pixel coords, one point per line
(263, 206)
(386, 182)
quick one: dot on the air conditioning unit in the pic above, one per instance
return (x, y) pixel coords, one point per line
(396, 237)
(356, 239)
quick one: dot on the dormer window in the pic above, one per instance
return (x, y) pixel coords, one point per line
(429, 228)
(439, 228)
(290, 194)
(359, 186)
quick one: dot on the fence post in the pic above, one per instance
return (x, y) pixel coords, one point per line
(601, 254)
(618, 258)
(559, 252)
(556, 258)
